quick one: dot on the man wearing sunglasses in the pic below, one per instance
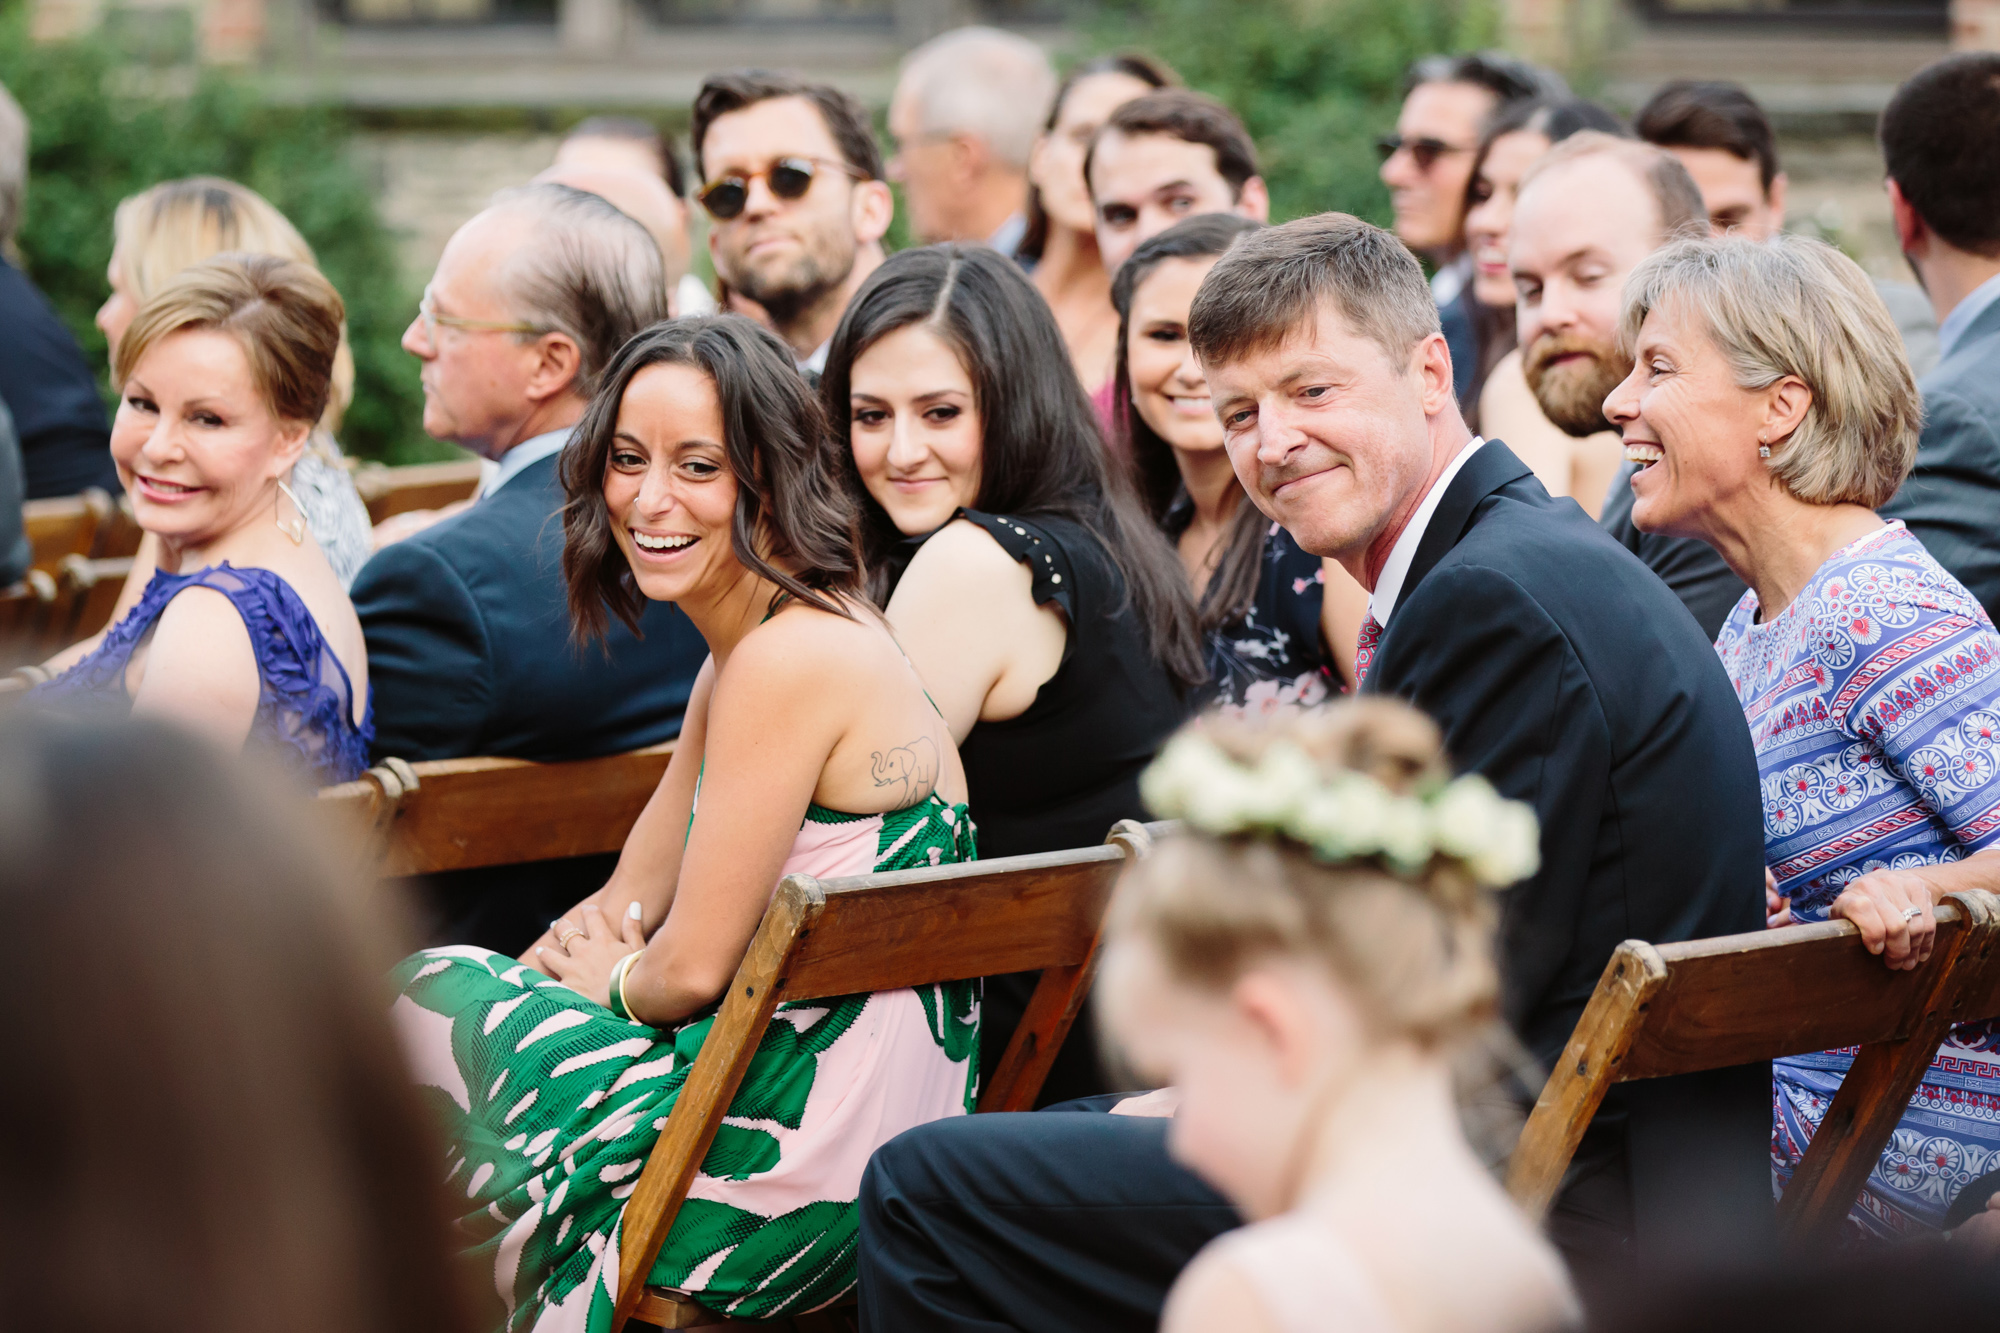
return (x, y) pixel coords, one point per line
(792, 181)
(1427, 164)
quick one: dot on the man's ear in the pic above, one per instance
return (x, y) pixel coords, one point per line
(874, 209)
(971, 157)
(1775, 198)
(1431, 359)
(1254, 202)
(558, 362)
(1912, 232)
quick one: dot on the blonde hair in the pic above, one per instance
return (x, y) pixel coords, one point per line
(176, 224)
(286, 316)
(1414, 952)
(1795, 306)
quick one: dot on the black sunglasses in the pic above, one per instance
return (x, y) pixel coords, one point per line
(788, 177)
(1425, 152)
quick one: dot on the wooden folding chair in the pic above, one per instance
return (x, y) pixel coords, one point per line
(25, 610)
(822, 938)
(88, 593)
(388, 491)
(64, 526)
(456, 814)
(1707, 1004)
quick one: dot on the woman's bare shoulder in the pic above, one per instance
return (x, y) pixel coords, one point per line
(963, 560)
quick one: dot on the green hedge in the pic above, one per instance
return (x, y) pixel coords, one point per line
(96, 139)
(1316, 81)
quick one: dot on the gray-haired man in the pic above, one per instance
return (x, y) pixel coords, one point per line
(467, 621)
(965, 115)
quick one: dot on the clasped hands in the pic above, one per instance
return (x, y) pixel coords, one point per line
(1892, 909)
(584, 947)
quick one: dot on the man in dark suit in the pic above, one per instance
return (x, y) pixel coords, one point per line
(1941, 143)
(467, 622)
(65, 441)
(1557, 665)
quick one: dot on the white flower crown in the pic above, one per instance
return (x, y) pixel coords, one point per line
(1347, 817)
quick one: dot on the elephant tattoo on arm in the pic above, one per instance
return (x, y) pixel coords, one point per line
(912, 767)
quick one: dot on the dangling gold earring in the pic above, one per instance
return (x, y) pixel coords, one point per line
(296, 529)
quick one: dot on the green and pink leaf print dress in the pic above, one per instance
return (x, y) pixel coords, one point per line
(552, 1103)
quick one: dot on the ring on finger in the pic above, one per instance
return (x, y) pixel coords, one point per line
(564, 939)
(1912, 913)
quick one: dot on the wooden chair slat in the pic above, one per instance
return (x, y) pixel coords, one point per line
(898, 929)
(388, 491)
(460, 814)
(1734, 999)
(1706, 1004)
(89, 590)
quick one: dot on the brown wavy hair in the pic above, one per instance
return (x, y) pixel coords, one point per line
(791, 504)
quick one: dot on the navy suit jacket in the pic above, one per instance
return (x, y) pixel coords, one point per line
(65, 440)
(469, 646)
(1950, 502)
(1568, 675)
(1952, 498)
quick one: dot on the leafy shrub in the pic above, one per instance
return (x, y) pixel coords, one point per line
(97, 138)
(1316, 81)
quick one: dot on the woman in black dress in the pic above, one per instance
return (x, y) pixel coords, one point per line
(1046, 615)
(1278, 624)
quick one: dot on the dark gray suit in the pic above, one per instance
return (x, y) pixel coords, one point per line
(1951, 501)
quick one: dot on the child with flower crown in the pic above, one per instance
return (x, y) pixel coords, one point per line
(1302, 964)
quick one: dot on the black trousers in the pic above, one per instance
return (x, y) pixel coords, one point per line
(1048, 1221)
(1065, 1220)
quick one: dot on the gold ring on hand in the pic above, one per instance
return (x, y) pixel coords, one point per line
(562, 941)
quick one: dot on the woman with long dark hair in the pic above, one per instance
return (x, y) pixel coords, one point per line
(1061, 241)
(1044, 612)
(698, 475)
(1279, 624)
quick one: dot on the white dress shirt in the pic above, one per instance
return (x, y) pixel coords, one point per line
(1389, 583)
(531, 450)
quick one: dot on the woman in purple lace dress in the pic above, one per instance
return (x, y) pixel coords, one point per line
(244, 633)
(1770, 411)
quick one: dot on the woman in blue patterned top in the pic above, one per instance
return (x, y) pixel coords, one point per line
(244, 633)
(1278, 623)
(1770, 411)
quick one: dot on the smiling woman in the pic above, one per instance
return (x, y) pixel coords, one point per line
(1045, 614)
(698, 476)
(244, 632)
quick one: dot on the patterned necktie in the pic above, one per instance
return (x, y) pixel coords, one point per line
(1364, 650)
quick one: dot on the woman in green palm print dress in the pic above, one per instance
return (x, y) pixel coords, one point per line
(808, 745)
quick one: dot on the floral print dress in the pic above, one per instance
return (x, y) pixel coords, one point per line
(1874, 703)
(1272, 655)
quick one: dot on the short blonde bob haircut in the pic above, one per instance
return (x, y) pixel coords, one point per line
(284, 314)
(176, 224)
(1794, 306)
(1415, 953)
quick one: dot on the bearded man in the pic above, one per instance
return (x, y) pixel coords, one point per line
(1588, 212)
(792, 181)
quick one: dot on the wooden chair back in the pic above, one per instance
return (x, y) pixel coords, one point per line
(64, 525)
(458, 814)
(388, 491)
(88, 592)
(901, 928)
(1706, 1004)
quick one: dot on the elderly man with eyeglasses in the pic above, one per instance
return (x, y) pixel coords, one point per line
(792, 181)
(466, 620)
(1427, 164)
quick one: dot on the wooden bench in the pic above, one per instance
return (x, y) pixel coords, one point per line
(388, 491)
(901, 928)
(25, 611)
(87, 593)
(1706, 1004)
(457, 814)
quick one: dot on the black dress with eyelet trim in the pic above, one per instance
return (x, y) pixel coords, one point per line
(1063, 772)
